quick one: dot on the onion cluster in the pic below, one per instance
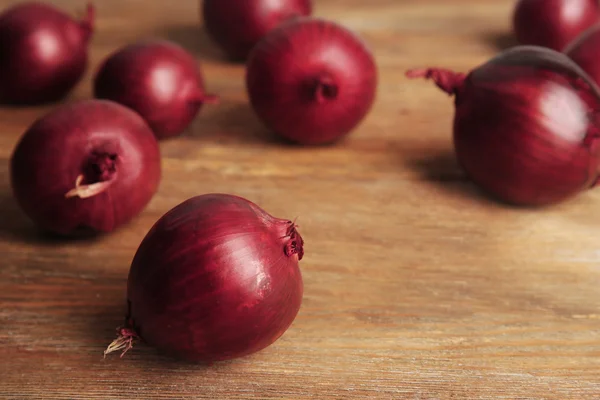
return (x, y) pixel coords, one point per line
(217, 277)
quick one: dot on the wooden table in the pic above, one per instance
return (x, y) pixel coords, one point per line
(416, 286)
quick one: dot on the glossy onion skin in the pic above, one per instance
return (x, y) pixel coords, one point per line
(59, 147)
(212, 280)
(585, 51)
(311, 81)
(43, 53)
(237, 25)
(553, 23)
(158, 79)
(526, 126)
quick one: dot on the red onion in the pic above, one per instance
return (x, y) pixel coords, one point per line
(311, 81)
(85, 167)
(216, 278)
(43, 53)
(237, 25)
(159, 80)
(553, 23)
(526, 125)
(585, 51)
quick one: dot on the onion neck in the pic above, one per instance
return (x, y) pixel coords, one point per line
(98, 174)
(324, 89)
(293, 242)
(449, 81)
(87, 22)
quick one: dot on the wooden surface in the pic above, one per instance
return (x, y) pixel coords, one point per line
(416, 286)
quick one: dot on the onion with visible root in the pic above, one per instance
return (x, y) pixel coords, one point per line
(85, 167)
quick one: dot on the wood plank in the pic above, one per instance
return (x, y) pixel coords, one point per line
(416, 286)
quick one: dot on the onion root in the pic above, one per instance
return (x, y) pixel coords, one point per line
(124, 341)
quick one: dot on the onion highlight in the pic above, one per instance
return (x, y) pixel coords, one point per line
(43, 53)
(526, 126)
(215, 278)
(311, 81)
(85, 167)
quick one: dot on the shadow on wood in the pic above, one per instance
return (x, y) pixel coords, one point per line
(195, 39)
(438, 166)
(140, 354)
(103, 326)
(233, 123)
(237, 123)
(16, 226)
(442, 169)
(500, 40)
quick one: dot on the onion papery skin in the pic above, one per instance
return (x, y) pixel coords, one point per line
(553, 23)
(86, 167)
(43, 53)
(159, 80)
(526, 125)
(237, 25)
(585, 51)
(311, 81)
(215, 278)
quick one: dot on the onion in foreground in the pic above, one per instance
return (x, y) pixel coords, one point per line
(526, 126)
(216, 278)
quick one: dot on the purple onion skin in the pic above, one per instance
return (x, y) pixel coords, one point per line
(216, 278)
(43, 53)
(553, 23)
(585, 51)
(311, 81)
(526, 125)
(237, 25)
(159, 80)
(101, 141)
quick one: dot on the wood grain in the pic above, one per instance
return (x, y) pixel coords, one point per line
(416, 286)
